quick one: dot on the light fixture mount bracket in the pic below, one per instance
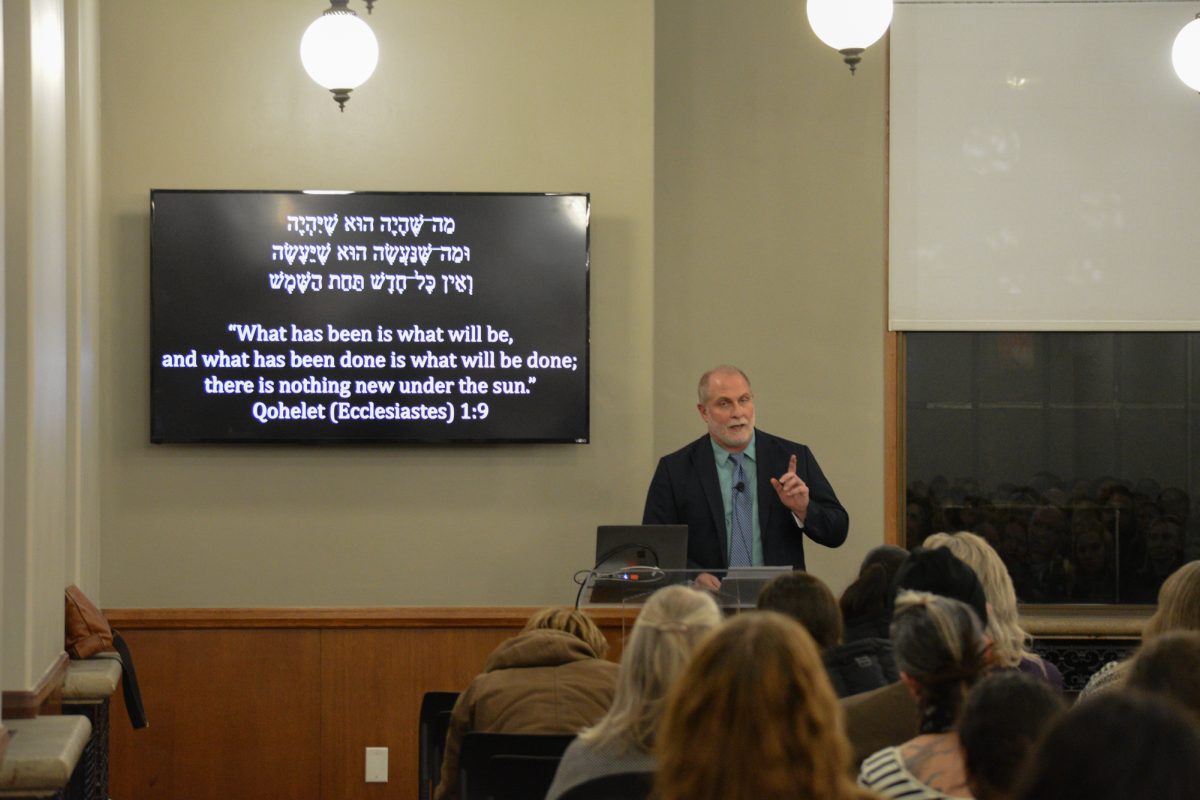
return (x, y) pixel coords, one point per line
(852, 56)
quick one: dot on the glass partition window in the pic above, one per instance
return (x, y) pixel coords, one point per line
(1071, 453)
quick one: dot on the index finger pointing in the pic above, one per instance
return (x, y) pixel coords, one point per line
(792, 464)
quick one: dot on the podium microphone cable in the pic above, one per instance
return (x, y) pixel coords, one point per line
(633, 572)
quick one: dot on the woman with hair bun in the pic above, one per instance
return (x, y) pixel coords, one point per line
(941, 651)
(866, 603)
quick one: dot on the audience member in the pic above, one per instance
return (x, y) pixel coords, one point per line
(1147, 512)
(1163, 546)
(1118, 511)
(989, 530)
(754, 718)
(888, 716)
(1047, 555)
(1047, 567)
(1002, 718)
(916, 518)
(1175, 502)
(1010, 642)
(1014, 550)
(1115, 747)
(867, 603)
(941, 650)
(1170, 666)
(807, 599)
(667, 630)
(1178, 610)
(550, 678)
(1094, 575)
(853, 668)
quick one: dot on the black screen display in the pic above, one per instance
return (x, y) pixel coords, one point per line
(369, 316)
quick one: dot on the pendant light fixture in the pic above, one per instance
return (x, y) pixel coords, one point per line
(339, 51)
(850, 26)
(1185, 54)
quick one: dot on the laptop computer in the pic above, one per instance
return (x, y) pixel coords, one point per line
(631, 559)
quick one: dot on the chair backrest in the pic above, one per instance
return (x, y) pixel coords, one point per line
(521, 777)
(434, 722)
(509, 766)
(618, 786)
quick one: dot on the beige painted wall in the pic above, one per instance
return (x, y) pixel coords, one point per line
(521, 95)
(761, 158)
(769, 246)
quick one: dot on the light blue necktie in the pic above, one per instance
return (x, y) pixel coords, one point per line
(741, 553)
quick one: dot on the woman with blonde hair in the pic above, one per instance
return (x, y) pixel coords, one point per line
(754, 718)
(1178, 610)
(1010, 642)
(667, 630)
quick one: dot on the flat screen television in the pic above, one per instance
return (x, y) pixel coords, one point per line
(286, 316)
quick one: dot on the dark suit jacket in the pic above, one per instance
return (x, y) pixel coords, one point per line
(685, 490)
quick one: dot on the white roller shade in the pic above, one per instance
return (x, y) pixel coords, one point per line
(1044, 168)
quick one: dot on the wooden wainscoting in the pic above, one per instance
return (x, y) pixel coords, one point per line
(282, 703)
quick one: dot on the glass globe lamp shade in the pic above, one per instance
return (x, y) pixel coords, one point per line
(339, 51)
(849, 26)
(1185, 54)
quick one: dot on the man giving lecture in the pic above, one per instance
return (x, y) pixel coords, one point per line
(747, 497)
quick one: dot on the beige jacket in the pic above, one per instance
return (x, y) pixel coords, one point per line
(540, 681)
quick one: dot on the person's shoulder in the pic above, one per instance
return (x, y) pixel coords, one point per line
(604, 665)
(1108, 677)
(884, 755)
(1038, 667)
(601, 668)
(770, 441)
(541, 647)
(688, 451)
(884, 694)
(881, 765)
(889, 704)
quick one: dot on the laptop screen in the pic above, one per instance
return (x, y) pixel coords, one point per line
(662, 546)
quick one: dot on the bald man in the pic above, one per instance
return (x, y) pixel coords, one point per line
(747, 497)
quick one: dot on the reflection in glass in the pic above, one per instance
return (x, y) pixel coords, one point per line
(1070, 453)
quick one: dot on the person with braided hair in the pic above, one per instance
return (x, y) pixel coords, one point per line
(941, 650)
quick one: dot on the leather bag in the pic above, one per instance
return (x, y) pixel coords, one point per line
(89, 634)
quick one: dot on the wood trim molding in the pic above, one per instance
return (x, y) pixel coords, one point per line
(893, 374)
(28, 703)
(1110, 622)
(503, 617)
(893, 471)
(1042, 621)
